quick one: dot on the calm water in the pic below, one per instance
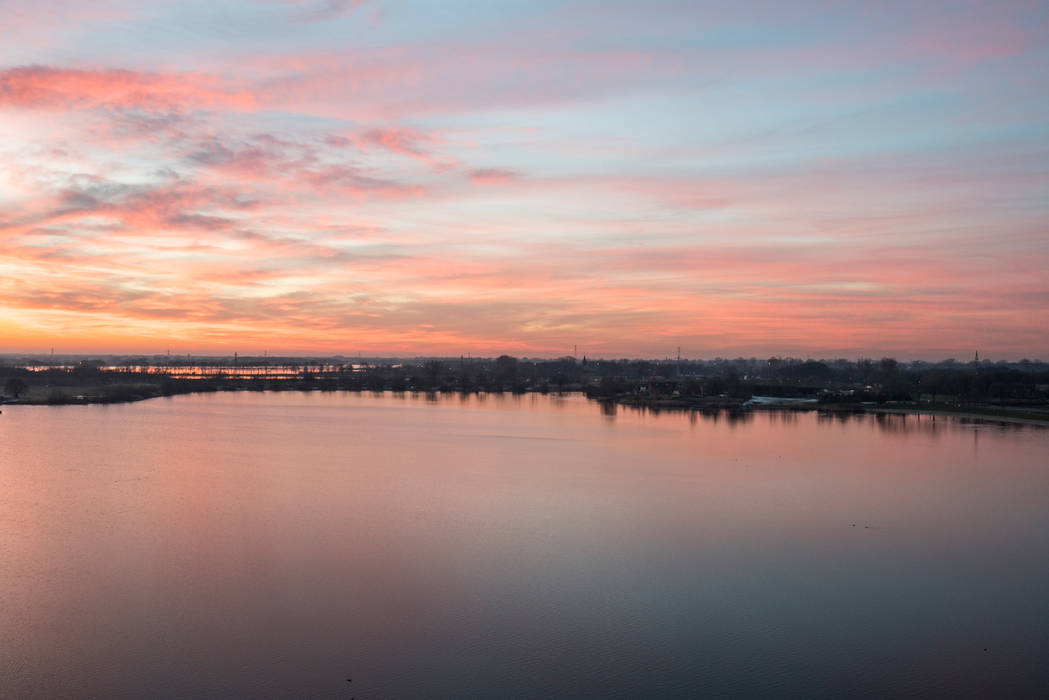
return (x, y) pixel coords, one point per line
(274, 545)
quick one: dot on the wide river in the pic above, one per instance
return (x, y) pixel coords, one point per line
(278, 544)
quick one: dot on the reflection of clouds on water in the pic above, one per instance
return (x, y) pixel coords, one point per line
(516, 537)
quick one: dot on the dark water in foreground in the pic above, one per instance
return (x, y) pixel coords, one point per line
(274, 545)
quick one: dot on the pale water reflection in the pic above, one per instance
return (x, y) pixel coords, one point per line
(274, 545)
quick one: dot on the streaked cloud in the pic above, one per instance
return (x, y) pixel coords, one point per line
(324, 176)
(48, 87)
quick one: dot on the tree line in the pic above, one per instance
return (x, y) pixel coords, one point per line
(838, 380)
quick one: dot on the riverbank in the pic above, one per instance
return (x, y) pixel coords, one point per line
(93, 394)
(86, 394)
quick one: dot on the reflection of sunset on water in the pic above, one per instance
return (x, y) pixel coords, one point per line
(289, 540)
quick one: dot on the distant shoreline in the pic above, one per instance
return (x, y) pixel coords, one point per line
(1006, 392)
(991, 414)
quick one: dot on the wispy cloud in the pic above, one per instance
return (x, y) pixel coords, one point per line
(48, 87)
(739, 179)
(493, 176)
(319, 10)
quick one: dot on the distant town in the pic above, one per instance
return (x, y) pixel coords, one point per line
(983, 387)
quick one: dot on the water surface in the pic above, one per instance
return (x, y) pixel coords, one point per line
(276, 544)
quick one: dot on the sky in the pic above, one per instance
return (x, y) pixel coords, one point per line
(824, 179)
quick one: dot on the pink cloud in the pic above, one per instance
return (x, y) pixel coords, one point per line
(44, 87)
(410, 143)
(281, 218)
(404, 141)
(493, 176)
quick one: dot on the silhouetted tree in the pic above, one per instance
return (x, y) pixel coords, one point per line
(865, 368)
(87, 370)
(433, 370)
(506, 368)
(15, 386)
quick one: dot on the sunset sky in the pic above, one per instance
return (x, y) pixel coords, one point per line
(437, 178)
